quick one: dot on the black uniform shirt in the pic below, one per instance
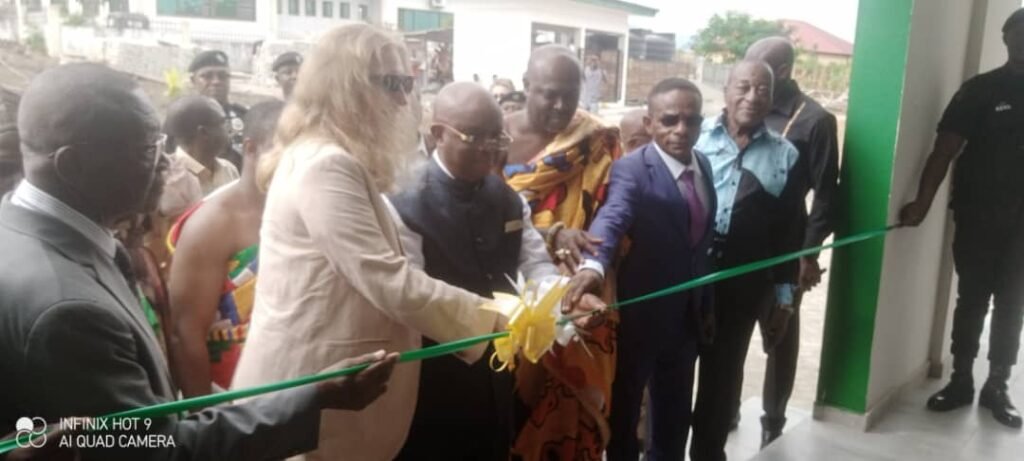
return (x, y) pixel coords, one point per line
(988, 112)
(233, 115)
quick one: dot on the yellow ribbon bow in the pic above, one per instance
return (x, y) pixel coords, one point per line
(532, 324)
(173, 79)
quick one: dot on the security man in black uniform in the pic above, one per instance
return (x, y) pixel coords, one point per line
(211, 77)
(286, 71)
(812, 129)
(986, 120)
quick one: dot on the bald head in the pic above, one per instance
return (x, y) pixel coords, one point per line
(89, 137)
(79, 103)
(632, 131)
(196, 123)
(777, 52)
(552, 88)
(185, 114)
(750, 67)
(553, 61)
(469, 109)
(466, 103)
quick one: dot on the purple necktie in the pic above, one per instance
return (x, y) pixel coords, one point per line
(698, 218)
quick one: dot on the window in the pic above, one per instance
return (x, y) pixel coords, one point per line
(310, 7)
(344, 10)
(417, 20)
(280, 6)
(215, 9)
(327, 10)
(293, 7)
(364, 12)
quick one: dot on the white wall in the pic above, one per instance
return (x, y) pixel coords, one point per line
(492, 41)
(993, 51)
(910, 273)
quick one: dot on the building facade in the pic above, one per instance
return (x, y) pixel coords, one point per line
(448, 39)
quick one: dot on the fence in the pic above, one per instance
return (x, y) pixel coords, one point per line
(714, 74)
(644, 74)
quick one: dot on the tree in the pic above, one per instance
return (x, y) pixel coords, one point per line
(729, 36)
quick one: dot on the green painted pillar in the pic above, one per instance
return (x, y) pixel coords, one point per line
(876, 87)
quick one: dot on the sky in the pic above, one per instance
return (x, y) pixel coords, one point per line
(686, 17)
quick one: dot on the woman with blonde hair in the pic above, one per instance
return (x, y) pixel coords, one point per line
(333, 280)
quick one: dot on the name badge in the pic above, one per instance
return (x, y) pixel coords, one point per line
(512, 226)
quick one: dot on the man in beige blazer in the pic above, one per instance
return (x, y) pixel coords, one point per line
(334, 281)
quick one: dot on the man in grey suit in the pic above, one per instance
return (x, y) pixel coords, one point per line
(73, 338)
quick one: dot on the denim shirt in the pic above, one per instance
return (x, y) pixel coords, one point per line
(769, 157)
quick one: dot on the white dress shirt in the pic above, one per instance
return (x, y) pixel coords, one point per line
(676, 169)
(32, 198)
(534, 261)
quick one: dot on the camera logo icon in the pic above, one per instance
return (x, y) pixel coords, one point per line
(31, 432)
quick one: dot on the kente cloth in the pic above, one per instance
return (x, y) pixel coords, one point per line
(228, 332)
(568, 415)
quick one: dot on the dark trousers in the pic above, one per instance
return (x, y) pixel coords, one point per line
(780, 370)
(463, 412)
(651, 354)
(989, 259)
(739, 303)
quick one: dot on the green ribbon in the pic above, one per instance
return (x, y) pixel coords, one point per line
(755, 266)
(180, 406)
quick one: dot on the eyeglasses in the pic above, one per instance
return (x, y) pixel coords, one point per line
(395, 83)
(157, 146)
(499, 142)
(155, 151)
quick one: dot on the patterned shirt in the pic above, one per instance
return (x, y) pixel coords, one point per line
(769, 158)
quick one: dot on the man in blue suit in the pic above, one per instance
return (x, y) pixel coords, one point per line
(660, 196)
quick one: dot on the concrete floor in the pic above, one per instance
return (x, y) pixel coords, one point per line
(908, 433)
(745, 442)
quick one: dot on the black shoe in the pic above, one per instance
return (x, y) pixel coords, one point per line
(994, 397)
(771, 429)
(958, 393)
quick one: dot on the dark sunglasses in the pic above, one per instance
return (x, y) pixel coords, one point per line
(395, 83)
(673, 120)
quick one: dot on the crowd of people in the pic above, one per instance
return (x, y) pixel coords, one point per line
(229, 247)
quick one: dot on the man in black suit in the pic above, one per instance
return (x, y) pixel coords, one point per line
(73, 337)
(662, 197)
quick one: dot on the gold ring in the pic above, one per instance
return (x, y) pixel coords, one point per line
(562, 253)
